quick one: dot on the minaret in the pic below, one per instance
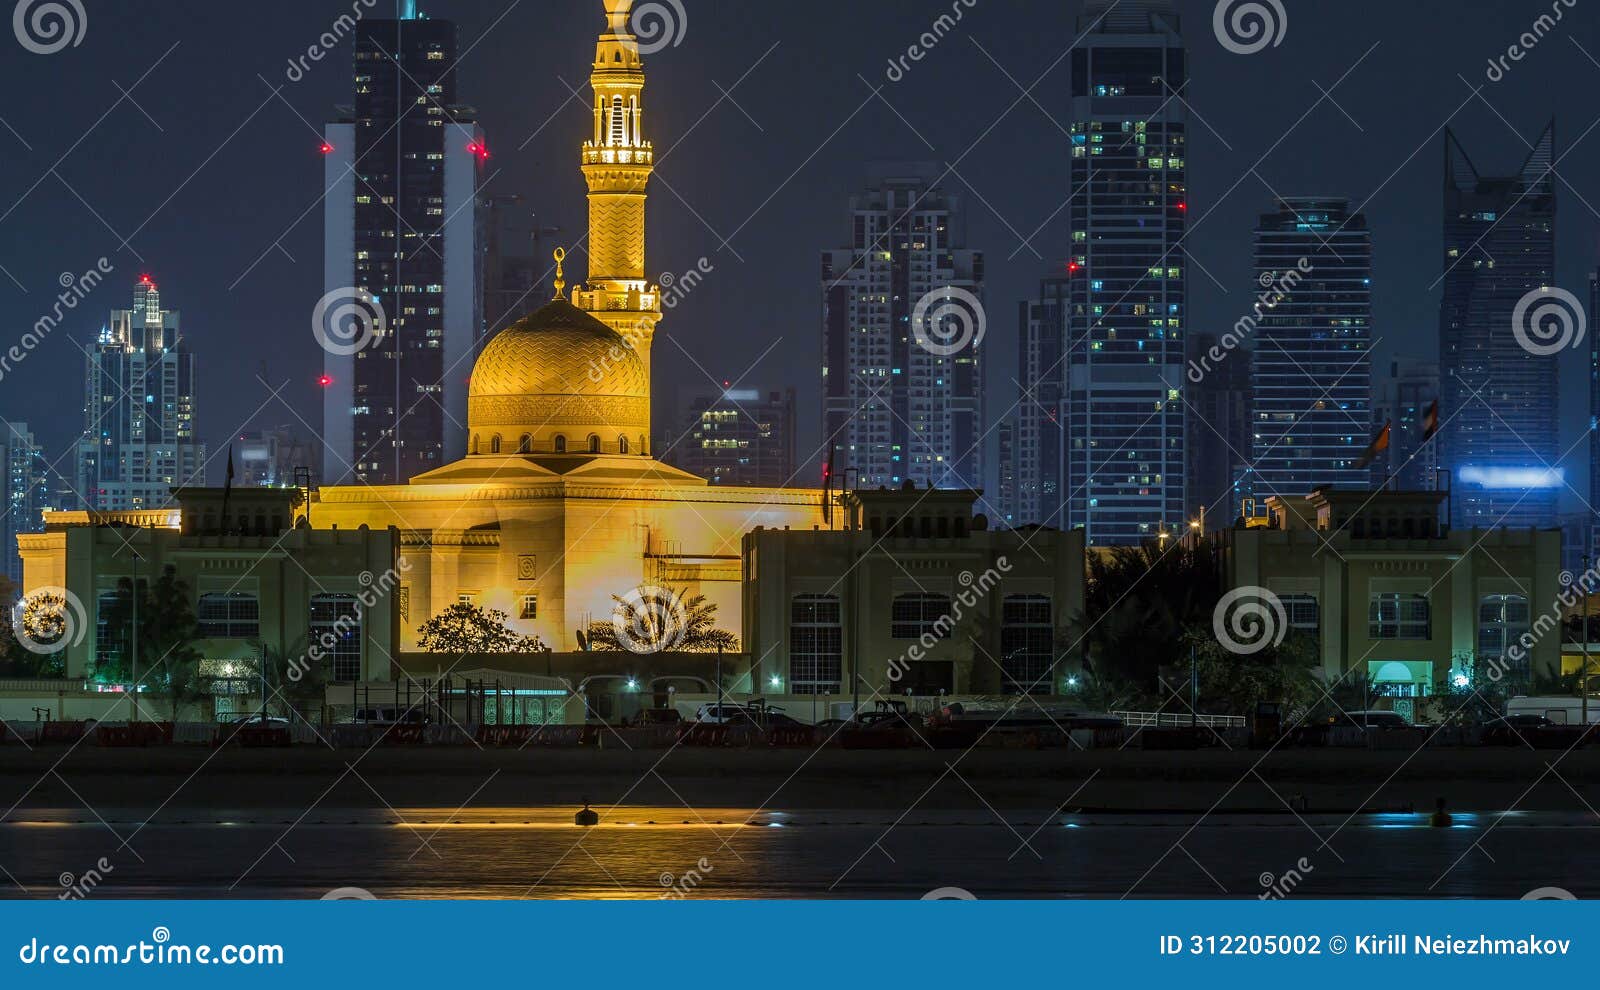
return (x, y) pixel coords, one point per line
(616, 164)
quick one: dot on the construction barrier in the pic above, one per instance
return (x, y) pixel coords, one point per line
(136, 734)
(262, 736)
(790, 736)
(61, 732)
(405, 735)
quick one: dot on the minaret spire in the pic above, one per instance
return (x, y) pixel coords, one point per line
(617, 162)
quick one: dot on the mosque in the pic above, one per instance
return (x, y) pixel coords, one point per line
(560, 503)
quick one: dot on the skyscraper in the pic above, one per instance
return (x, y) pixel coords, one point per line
(1039, 442)
(902, 328)
(1006, 463)
(1501, 438)
(270, 458)
(140, 435)
(401, 230)
(1128, 302)
(1220, 434)
(26, 493)
(1404, 398)
(1311, 377)
(742, 437)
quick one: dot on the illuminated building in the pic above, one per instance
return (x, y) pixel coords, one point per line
(1127, 305)
(1219, 431)
(824, 607)
(401, 226)
(270, 458)
(1404, 399)
(1311, 369)
(742, 436)
(898, 408)
(1500, 435)
(140, 438)
(1039, 443)
(559, 503)
(26, 493)
(1389, 589)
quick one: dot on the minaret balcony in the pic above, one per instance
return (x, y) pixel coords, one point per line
(607, 155)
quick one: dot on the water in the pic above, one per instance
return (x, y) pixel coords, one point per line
(732, 853)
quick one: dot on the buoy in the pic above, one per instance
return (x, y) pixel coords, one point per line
(586, 817)
(1440, 817)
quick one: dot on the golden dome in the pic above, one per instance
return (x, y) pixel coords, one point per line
(559, 381)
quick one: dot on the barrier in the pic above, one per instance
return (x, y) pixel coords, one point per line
(405, 735)
(137, 734)
(25, 733)
(790, 736)
(504, 735)
(61, 732)
(262, 736)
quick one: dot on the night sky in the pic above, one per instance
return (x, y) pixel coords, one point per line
(214, 181)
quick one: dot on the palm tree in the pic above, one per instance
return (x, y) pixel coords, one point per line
(651, 619)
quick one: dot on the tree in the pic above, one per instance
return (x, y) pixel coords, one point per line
(464, 629)
(289, 674)
(167, 659)
(44, 620)
(651, 620)
(1138, 604)
(1233, 683)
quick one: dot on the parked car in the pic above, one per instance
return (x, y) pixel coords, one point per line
(1513, 730)
(1371, 720)
(656, 716)
(724, 713)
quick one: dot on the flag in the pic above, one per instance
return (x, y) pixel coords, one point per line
(1430, 422)
(1379, 444)
(827, 487)
(227, 489)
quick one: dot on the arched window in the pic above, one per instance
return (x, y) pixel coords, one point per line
(474, 443)
(622, 445)
(1027, 636)
(594, 444)
(494, 444)
(916, 614)
(816, 644)
(618, 132)
(525, 445)
(561, 444)
(644, 448)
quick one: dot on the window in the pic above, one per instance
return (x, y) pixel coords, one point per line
(494, 444)
(1395, 615)
(467, 598)
(525, 445)
(561, 444)
(594, 444)
(914, 614)
(1303, 612)
(622, 445)
(1027, 644)
(530, 607)
(336, 633)
(474, 443)
(1502, 620)
(816, 645)
(107, 641)
(229, 615)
